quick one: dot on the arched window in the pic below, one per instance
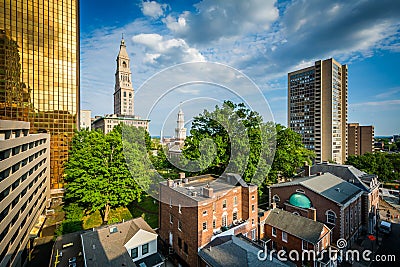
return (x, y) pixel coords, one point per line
(124, 64)
(296, 213)
(276, 199)
(330, 216)
(124, 94)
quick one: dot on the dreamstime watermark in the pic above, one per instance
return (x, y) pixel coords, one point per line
(195, 87)
(328, 255)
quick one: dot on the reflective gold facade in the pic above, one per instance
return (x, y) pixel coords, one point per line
(39, 70)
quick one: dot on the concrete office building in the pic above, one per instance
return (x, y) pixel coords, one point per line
(360, 139)
(317, 108)
(24, 187)
(39, 72)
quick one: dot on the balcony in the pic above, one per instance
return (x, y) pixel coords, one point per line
(232, 229)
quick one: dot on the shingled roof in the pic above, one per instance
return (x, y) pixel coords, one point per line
(327, 185)
(104, 246)
(299, 226)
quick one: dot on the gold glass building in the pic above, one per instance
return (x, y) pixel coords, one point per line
(39, 71)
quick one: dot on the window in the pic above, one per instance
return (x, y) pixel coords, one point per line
(185, 248)
(145, 249)
(179, 242)
(235, 200)
(224, 204)
(171, 221)
(304, 245)
(224, 220)
(253, 197)
(214, 223)
(204, 226)
(234, 217)
(179, 208)
(179, 225)
(262, 227)
(134, 253)
(253, 208)
(296, 213)
(253, 234)
(252, 221)
(284, 236)
(330, 217)
(205, 213)
(276, 199)
(273, 231)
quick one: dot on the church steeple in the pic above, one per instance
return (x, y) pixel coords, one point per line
(180, 130)
(123, 91)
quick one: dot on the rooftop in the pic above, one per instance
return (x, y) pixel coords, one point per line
(327, 185)
(349, 173)
(235, 251)
(104, 246)
(207, 186)
(299, 226)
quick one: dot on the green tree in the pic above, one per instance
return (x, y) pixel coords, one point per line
(385, 165)
(290, 154)
(97, 174)
(257, 142)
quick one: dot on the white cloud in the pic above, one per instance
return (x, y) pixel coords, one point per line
(389, 93)
(153, 9)
(376, 103)
(163, 52)
(216, 19)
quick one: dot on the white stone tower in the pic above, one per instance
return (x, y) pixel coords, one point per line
(180, 130)
(123, 94)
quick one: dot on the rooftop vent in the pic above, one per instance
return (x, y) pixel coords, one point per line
(338, 189)
(194, 194)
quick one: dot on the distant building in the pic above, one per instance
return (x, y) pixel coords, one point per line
(131, 243)
(379, 146)
(283, 230)
(194, 211)
(24, 188)
(176, 144)
(235, 251)
(106, 123)
(123, 98)
(360, 139)
(337, 203)
(317, 108)
(368, 183)
(85, 120)
(396, 138)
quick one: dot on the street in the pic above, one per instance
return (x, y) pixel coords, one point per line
(390, 246)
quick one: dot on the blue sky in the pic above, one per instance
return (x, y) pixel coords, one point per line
(262, 39)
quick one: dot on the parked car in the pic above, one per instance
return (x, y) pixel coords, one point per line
(385, 227)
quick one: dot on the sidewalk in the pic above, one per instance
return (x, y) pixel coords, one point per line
(366, 244)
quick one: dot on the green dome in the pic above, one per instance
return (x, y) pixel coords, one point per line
(300, 200)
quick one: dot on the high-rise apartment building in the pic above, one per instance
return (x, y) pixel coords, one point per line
(360, 139)
(317, 108)
(24, 187)
(39, 71)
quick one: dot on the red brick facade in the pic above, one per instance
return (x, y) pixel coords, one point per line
(197, 216)
(347, 220)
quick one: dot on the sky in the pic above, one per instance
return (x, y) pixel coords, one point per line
(241, 51)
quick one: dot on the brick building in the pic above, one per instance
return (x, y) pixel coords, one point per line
(368, 183)
(337, 203)
(360, 139)
(303, 239)
(194, 211)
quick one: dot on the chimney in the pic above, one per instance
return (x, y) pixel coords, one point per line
(307, 169)
(273, 205)
(312, 214)
(170, 183)
(181, 175)
(208, 192)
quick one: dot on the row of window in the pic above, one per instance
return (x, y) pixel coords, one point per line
(135, 251)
